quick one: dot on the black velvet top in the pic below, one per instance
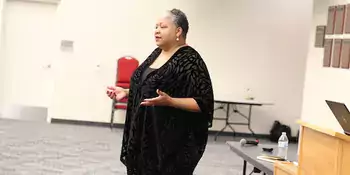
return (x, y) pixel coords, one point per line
(162, 140)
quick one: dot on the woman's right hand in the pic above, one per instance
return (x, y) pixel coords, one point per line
(115, 92)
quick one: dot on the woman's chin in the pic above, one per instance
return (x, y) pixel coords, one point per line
(159, 43)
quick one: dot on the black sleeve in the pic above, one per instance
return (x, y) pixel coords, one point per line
(201, 86)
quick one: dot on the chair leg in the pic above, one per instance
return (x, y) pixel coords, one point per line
(112, 115)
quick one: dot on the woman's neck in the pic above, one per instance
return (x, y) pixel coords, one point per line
(170, 49)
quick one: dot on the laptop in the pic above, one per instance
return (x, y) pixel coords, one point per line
(341, 113)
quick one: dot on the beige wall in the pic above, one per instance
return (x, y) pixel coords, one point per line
(323, 83)
(261, 45)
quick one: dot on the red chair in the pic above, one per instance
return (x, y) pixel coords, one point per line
(125, 68)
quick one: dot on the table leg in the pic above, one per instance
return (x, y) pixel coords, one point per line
(244, 167)
(112, 115)
(217, 134)
(227, 123)
(227, 120)
(249, 120)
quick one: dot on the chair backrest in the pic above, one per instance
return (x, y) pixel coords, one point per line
(125, 68)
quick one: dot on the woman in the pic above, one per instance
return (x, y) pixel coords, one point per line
(170, 105)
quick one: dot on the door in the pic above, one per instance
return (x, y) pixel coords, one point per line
(29, 52)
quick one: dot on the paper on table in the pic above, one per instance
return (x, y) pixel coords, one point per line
(271, 159)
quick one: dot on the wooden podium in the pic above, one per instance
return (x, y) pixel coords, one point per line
(285, 168)
(321, 152)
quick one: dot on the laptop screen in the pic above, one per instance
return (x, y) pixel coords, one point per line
(341, 113)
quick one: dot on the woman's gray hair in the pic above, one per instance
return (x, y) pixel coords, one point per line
(180, 20)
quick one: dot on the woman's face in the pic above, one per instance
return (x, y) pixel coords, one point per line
(166, 31)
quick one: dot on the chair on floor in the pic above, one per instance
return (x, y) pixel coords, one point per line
(125, 68)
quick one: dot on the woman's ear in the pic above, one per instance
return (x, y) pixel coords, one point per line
(178, 32)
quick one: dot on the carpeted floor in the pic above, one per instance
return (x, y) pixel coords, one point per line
(29, 148)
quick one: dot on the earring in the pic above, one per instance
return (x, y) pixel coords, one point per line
(177, 39)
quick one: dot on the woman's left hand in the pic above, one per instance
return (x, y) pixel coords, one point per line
(162, 100)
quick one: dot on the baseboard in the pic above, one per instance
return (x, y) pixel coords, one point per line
(24, 112)
(240, 134)
(120, 126)
(85, 123)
